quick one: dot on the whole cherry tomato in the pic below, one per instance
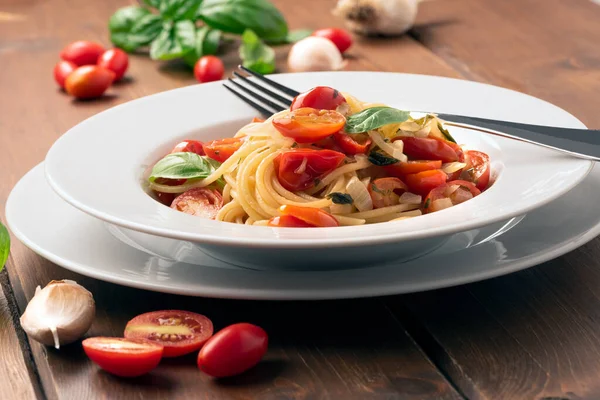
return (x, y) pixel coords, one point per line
(115, 60)
(62, 69)
(320, 97)
(221, 150)
(429, 149)
(297, 169)
(208, 69)
(233, 350)
(189, 146)
(477, 169)
(423, 182)
(82, 52)
(201, 202)
(341, 38)
(309, 125)
(89, 81)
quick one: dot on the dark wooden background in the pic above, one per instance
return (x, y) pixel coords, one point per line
(530, 335)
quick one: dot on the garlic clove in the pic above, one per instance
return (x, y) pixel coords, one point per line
(378, 17)
(315, 54)
(60, 313)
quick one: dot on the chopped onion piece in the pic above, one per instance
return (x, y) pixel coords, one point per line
(461, 195)
(360, 194)
(441, 204)
(410, 198)
(452, 167)
(387, 147)
(450, 189)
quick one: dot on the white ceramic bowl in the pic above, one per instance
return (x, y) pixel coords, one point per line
(98, 166)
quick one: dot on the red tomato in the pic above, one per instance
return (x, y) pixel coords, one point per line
(309, 125)
(401, 169)
(297, 169)
(62, 69)
(341, 38)
(89, 81)
(208, 69)
(179, 332)
(320, 97)
(429, 149)
(233, 350)
(477, 169)
(257, 119)
(423, 182)
(200, 202)
(312, 216)
(123, 357)
(221, 150)
(350, 146)
(167, 198)
(82, 52)
(466, 191)
(288, 221)
(189, 146)
(115, 60)
(385, 191)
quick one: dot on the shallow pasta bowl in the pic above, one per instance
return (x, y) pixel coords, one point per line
(99, 166)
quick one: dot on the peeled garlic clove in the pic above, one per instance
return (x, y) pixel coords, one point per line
(377, 17)
(58, 314)
(315, 54)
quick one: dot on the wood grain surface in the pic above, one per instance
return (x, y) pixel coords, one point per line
(529, 335)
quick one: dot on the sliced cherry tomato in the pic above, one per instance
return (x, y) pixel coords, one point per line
(89, 81)
(466, 191)
(401, 169)
(256, 119)
(115, 60)
(320, 98)
(200, 202)
(189, 146)
(385, 191)
(477, 169)
(288, 221)
(309, 125)
(82, 52)
(167, 198)
(312, 216)
(429, 149)
(123, 357)
(350, 146)
(62, 69)
(297, 169)
(423, 182)
(341, 38)
(221, 150)
(179, 332)
(233, 350)
(209, 69)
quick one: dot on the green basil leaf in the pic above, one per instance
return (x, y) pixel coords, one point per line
(4, 245)
(133, 27)
(256, 55)
(340, 198)
(177, 10)
(235, 16)
(184, 166)
(445, 132)
(292, 37)
(174, 41)
(380, 159)
(373, 118)
(206, 43)
(153, 3)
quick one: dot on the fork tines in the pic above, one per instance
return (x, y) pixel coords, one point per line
(261, 98)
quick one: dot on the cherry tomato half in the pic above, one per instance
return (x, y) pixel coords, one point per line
(62, 69)
(429, 149)
(320, 97)
(209, 69)
(423, 182)
(309, 125)
(233, 350)
(466, 191)
(312, 216)
(189, 146)
(123, 357)
(82, 52)
(288, 221)
(221, 150)
(179, 332)
(477, 169)
(401, 169)
(115, 60)
(297, 169)
(89, 81)
(200, 202)
(385, 191)
(167, 198)
(341, 38)
(349, 145)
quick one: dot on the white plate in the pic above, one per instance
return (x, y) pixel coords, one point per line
(99, 255)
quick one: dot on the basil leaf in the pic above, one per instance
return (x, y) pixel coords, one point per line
(445, 132)
(380, 159)
(256, 55)
(184, 166)
(340, 198)
(133, 27)
(4, 245)
(174, 41)
(235, 16)
(373, 118)
(206, 43)
(152, 3)
(177, 10)
(292, 37)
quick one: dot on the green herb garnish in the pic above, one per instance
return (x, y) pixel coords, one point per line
(4, 245)
(380, 159)
(340, 198)
(184, 166)
(256, 55)
(373, 118)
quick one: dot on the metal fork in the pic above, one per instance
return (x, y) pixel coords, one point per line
(271, 97)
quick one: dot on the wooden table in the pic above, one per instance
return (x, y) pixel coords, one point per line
(529, 335)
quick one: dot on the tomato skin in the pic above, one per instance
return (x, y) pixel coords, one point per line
(221, 150)
(309, 125)
(477, 169)
(167, 198)
(189, 146)
(320, 98)
(200, 202)
(288, 221)
(62, 69)
(318, 164)
(429, 149)
(233, 350)
(123, 357)
(82, 52)
(401, 169)
(340, 37)
(312, 216)
(115, 60)
(350, 146)
(88, 82)
(383, 190)
(423, 182)
(209, 69)
(257, 119)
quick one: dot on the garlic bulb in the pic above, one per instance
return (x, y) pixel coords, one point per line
(315, 54)
(59, 314)
(378, 17)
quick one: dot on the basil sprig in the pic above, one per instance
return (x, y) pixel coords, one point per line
(340, 198)
(373, 118)
(380, 159)
(255, 54)
(4, 245)
(184, 166)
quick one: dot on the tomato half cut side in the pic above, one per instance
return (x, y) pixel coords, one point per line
(189, 146)
(221, 150)
(477, 169)
(430, 149)
(424, 182)
(312, 216)
(320, 97)
(297, 169)
(309, 125)
(401, 169)
(123, 357)
(386, 191)
(200, 202)
(349, 145)
(179, 332)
